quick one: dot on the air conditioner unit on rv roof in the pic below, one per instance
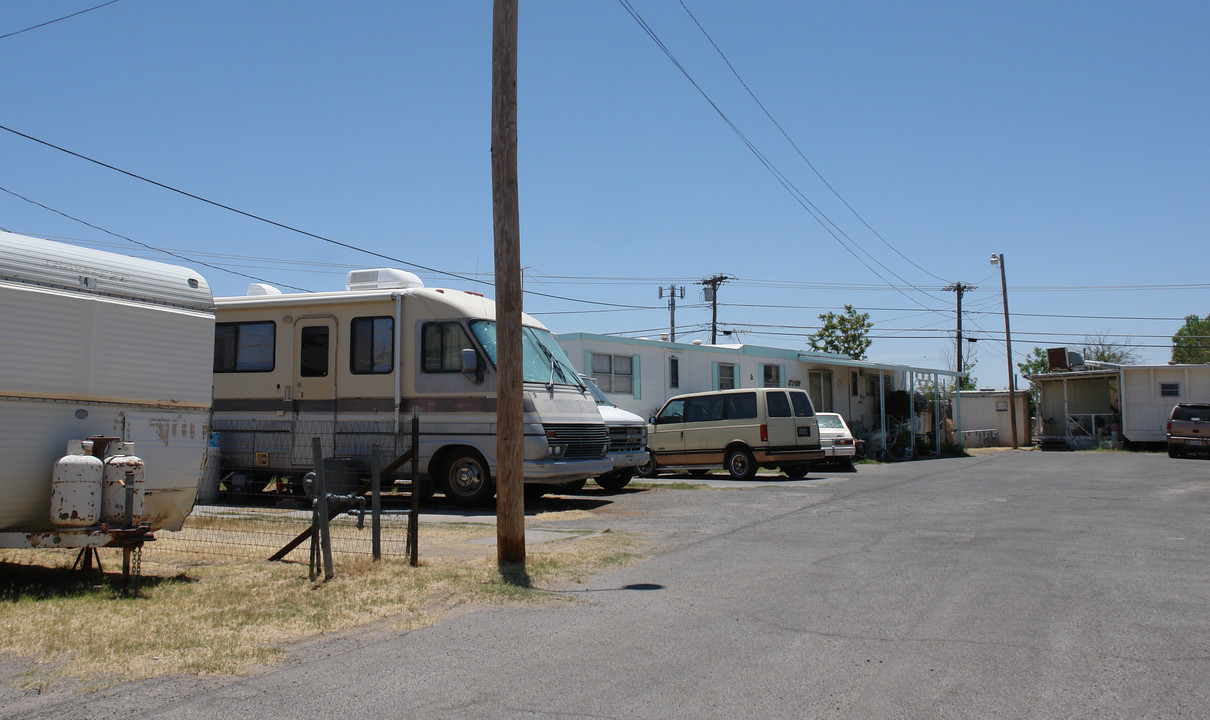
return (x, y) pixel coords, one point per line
(381, 279)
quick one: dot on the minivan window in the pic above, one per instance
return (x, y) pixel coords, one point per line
(704, 408)
(674, 411)
(802, 405)
(741, 406)
(777, 404)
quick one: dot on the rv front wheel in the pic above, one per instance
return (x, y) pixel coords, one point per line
(467, 481)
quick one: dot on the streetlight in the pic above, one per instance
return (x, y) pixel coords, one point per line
(1008, 343)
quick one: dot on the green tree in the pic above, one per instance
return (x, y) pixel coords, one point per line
(1035, 363)
(1191, 344)
(846, 334)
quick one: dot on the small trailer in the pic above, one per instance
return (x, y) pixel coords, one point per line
(104, 387)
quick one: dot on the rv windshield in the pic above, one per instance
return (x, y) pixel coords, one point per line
(542, 360)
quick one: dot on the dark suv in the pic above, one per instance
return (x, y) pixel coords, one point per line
(1189, 428)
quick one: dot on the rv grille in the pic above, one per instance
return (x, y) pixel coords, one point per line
(627, 438)
(584, 442)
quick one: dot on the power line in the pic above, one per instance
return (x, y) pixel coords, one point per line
(818, 215)
(51, 22)
(290, 228)
(143, 244)
(797, 149)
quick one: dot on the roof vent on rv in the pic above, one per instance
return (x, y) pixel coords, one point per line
(381, 279)
(262, 289)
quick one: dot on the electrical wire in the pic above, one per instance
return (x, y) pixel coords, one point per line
(785, 182)
(178, 256)
(798, 150)
(52, 22)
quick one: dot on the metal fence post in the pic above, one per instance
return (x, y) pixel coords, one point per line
(321, 496)
(376, 503)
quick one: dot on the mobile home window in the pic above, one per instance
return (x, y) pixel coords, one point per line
(244, 347)
(373, 343)
(442, 347)
(726, 377)
(771, 376)
(1170, 389)
(674, 372)
(819, 384)
(313, 351)
(613, 373)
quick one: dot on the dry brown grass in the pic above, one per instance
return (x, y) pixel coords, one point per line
(207, 615)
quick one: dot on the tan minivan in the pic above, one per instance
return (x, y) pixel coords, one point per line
(738, 430)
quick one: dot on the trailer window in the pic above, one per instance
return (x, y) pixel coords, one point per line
(373, 343)
(442, 347)
(244, 347)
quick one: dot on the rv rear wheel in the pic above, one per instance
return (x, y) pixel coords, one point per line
(741, 465)
(467, 481)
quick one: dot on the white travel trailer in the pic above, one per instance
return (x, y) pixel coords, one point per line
(98, 344)
(352, 367)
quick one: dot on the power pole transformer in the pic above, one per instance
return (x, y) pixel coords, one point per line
(711, 285)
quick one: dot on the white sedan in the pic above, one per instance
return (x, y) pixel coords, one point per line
(835, 439)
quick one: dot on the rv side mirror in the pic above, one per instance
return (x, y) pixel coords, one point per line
(470, 365)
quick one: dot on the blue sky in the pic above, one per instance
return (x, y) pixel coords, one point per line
(1071, 137)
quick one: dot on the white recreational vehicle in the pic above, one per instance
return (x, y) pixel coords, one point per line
(352, 367)
(98, 345)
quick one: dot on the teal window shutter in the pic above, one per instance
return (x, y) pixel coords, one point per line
(781, 375)
(714, 370)
(637, 383)
(587, 363)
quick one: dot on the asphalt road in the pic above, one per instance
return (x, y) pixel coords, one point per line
(1014, 584)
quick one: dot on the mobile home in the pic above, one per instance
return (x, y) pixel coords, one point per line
(352, 367)
(99, 345)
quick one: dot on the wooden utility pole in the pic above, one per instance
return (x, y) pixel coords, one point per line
(510, 497)
(713, 283)
(961, 289)
(1008, 344)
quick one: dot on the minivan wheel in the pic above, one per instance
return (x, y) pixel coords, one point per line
(648, 469)
(467, 481)
(616, 480)
(741, 465)
(796, 471)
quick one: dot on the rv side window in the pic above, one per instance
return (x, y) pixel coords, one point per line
(373, 342)
(244, 347)
(442, 347)
(802, 405)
